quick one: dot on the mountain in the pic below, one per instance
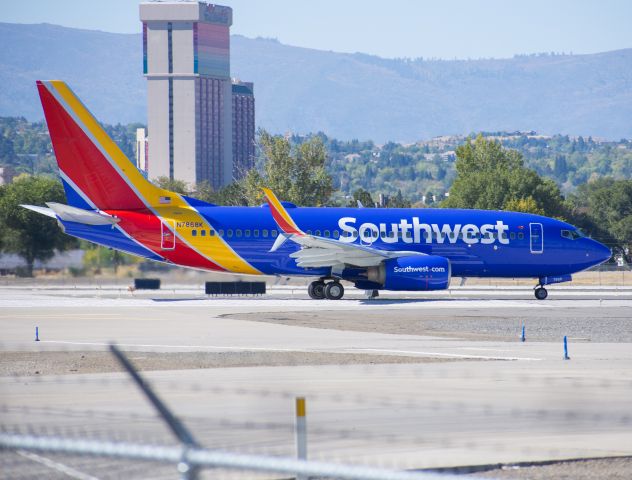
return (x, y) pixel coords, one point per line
(344, 95)
(104, 69)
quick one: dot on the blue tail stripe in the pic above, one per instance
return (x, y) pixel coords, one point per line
(73, 198)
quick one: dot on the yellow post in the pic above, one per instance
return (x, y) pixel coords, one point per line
(301, 431)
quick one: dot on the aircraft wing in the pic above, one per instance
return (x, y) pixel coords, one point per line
(324, 252)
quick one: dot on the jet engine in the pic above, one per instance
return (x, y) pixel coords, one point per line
(426, 272)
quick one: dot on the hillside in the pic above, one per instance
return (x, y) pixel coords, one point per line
(345, 95)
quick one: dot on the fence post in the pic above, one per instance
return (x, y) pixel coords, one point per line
(301, 432)
(186, 470)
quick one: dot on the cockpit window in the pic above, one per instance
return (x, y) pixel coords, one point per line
(572, 234)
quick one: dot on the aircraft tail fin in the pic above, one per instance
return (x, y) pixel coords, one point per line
(95, 172)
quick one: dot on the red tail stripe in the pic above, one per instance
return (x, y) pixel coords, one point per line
(285, 226)
(83, 162)
(145, 228)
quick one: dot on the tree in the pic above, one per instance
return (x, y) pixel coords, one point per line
(398, 201)
(493, 178)
(28, 234)
(173, 185)
(364, 197)
(295, 173)
(606, 205)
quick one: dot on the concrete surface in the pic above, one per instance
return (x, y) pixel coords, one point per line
(496, 401)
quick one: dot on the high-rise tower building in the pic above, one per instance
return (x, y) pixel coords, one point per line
(243, 128)
(186, 59)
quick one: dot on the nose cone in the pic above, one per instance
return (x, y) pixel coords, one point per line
(600, 253)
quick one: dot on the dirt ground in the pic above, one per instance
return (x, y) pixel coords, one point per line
(599, 324)
(74, 362)
(610, 468)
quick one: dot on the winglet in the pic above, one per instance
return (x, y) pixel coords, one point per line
(280, 215)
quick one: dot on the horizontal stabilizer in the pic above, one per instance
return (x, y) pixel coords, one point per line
(73, 214)
(43, 210)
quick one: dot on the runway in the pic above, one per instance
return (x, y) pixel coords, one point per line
(406, 381)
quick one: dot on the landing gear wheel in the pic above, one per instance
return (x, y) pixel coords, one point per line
(334, 291)
(541, 293)
(316, 290)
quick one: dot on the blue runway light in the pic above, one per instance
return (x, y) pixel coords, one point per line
(566, 357)
(37, 334)
(522, 336)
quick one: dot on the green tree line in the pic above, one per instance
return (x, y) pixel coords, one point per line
(486, 175)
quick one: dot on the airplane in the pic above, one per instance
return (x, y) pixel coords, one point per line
(111, 203)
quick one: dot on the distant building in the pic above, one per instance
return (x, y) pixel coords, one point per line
(6, 175)
(141, 150)
(186, 59)
(243, 128)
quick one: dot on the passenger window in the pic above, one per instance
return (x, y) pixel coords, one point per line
(520, 235)
(336, 234)
(274, 233)
(327, 234)
(203, 233)
(409, 235)
(238, 233)
(355, 234)
(264, 233)
(194, 233)
(256, 233)
(512, 235)
(247, 233)
(309, 232)
(382, 234)
(317, 233)
(229, 233)
(211, 233)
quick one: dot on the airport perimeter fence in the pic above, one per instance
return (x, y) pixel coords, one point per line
(374, 432)
(187, 458)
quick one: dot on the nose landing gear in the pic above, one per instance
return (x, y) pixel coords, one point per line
(540, 292)
(320, 290)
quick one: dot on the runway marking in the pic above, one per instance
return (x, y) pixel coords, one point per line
(269, 349)
(208, 347)
(57, 466)
(453, 355)
(66, 315)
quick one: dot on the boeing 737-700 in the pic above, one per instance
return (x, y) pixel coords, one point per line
(111, 203)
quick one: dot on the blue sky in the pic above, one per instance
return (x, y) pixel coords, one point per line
(397, 28)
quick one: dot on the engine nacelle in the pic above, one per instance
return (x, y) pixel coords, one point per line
(427, 272)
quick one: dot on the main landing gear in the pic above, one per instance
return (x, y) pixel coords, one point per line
(319, 290)
(540, 292)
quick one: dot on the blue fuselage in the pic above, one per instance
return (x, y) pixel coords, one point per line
(477, 242)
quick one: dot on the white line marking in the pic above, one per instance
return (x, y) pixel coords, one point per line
(66, 315)
(268, 349)
(57, 466)
(201, 347)
(437, 354)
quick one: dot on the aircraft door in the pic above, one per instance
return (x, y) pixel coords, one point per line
(167, 234)
(536, 237)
